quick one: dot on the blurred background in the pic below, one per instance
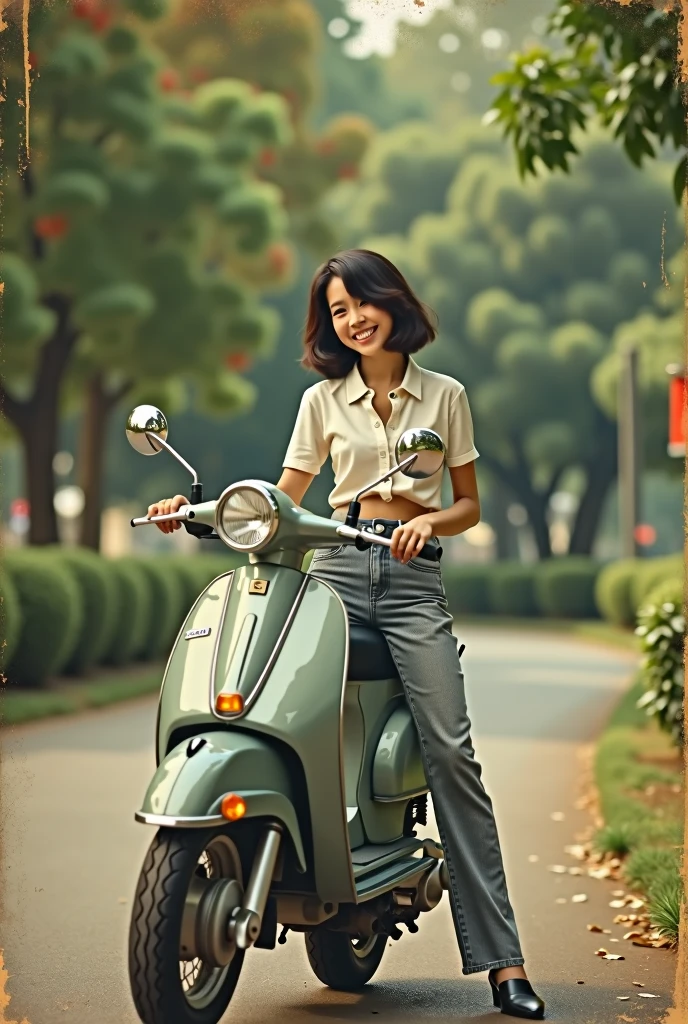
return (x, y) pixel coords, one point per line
(190, 162)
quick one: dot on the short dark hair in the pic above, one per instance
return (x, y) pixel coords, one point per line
(370, 276)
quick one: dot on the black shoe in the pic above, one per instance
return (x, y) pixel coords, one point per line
(516, 997)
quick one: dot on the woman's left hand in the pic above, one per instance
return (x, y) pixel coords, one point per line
(408, 540)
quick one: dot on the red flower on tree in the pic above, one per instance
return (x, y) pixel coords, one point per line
(238, 361)
(83, 8)
(348, 170)
(168, 80)
(279, 257)
(53, 225)
(33, 60)
(267, 157)
(100, 20)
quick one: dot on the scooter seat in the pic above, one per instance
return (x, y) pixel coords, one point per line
(369, 655)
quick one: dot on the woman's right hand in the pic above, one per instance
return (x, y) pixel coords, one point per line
(164, 508)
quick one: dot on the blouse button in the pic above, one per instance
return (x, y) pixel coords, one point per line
(392, 394)
(377, 423)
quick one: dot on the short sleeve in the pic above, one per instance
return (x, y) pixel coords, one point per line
(460, 447)
(307, 449)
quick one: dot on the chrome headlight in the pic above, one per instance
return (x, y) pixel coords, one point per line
(246, 516)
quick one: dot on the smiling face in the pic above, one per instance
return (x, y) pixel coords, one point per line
(359, 325)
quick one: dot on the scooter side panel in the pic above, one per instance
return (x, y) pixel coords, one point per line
(302, 703)
(221, 653)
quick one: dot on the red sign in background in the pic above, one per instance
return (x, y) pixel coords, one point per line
(677, 416)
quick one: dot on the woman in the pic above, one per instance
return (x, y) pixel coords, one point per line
(363, 324)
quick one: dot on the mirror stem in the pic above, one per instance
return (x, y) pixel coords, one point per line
(196, 493)
(354, 510)
(156, 439)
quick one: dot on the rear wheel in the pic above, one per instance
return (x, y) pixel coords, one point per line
(343, 961)
(182, 967)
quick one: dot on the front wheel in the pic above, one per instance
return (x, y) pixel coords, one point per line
(182, 968)
(344, 961)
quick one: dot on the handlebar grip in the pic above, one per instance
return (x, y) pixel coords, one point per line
(182, 516)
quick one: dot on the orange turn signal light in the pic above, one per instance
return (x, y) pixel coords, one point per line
(229, 703)
(233, 807)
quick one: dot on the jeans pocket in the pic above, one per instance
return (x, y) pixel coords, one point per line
(425, 565)
(321, 554)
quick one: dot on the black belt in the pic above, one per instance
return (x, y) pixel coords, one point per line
(386, 527)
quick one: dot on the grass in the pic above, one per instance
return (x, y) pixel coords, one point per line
(638, 769)
(68, 698)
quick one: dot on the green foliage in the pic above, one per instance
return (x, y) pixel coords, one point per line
(661, 627)
(613, 596)
(618, 65)
(616, 839)
(52, 611)
(97, 589)
(10, 619)
(134, 612)
(512, 589)
(665, 905)
(565, 587)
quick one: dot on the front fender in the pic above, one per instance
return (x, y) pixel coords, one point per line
(188, 786)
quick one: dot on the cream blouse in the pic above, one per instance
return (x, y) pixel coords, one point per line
(337, 417)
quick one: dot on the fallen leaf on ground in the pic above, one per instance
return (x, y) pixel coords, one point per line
(632, 935)
(575, 871)
(640, 984)
(613, 940)
(608, 956)
(618, 892)
(647, 995)
(617, 903)
(636, 904)
(576, 851)
(623, 997)
(596, 928)
(615, 862)
(558, 869)
(580, 983)
(580, 897)
(599, 872)
(557, 815)
(627, 1020)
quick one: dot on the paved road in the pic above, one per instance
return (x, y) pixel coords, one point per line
(72, 854)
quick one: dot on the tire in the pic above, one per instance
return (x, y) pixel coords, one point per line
(343, 961)
(161, 993)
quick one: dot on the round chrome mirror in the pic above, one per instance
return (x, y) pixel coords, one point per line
(142, 421)
(429, 449)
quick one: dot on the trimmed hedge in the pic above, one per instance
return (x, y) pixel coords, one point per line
(623, 586)
(467, 589)
(613, 592)
(133, 612)
(565, 587)
(96, 582)
(52, 609)
(511, 589)
(167, 605)
(10, 619)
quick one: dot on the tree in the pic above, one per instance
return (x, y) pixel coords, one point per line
(618, 65)
(274, 45)
(132, 226)
(531, 284)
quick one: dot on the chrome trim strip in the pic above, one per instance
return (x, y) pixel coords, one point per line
(343, 808)
(269, 665)
(216, 651)
(229, 573)
(168, 821)
(247, 485)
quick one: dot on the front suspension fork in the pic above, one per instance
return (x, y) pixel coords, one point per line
(247, 920)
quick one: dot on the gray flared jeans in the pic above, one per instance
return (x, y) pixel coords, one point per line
(407, 604)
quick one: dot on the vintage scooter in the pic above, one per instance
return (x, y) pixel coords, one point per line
(289, 780)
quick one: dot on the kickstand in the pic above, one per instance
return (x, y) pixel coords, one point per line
(283, 935)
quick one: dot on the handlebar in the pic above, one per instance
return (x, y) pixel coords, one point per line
(184, 514)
